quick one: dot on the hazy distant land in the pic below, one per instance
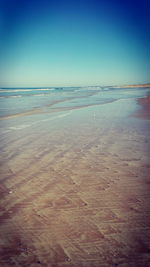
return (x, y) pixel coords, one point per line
(135, 85)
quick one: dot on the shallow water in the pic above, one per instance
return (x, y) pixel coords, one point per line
(15, 100)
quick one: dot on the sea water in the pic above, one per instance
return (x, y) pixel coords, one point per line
(15, 101)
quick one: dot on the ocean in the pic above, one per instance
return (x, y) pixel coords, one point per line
(24, 100)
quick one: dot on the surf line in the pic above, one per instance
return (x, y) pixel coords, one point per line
(23, 126)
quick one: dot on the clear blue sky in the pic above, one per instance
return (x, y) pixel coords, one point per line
(73, 43)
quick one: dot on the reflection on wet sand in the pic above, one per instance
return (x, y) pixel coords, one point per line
(144, 113)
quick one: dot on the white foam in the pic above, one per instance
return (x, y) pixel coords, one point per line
(20, 127)
(40, 95)
(16, 96)
(25, 90)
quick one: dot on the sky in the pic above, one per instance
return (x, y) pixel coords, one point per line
(74, 43)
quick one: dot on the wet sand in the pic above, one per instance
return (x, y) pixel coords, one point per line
(75, 191)
(144, 112)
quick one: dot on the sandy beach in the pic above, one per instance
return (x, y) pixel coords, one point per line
(144, 112)
(75, 186)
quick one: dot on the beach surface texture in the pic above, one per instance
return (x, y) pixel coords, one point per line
(75, 177)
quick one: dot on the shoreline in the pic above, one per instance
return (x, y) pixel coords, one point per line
(53, 109)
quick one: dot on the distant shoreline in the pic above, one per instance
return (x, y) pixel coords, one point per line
(134, 85)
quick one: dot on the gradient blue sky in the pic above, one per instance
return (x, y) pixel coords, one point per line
(74, 43)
